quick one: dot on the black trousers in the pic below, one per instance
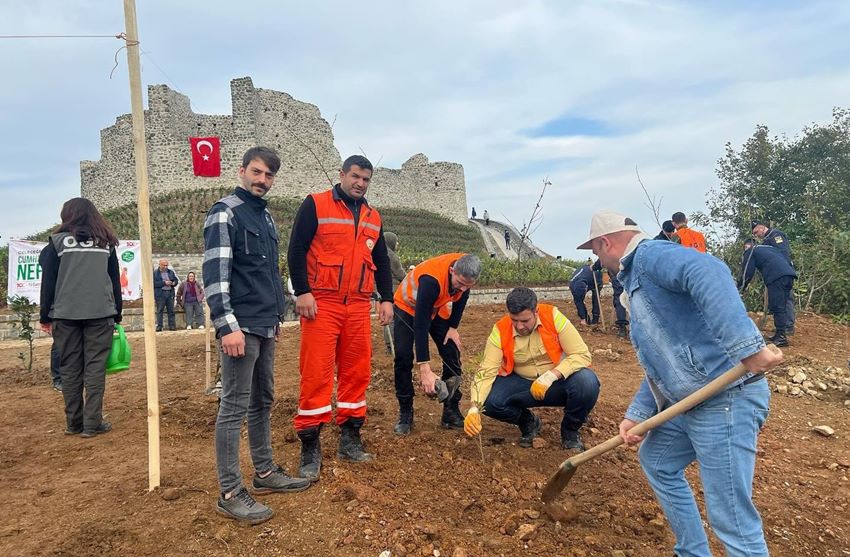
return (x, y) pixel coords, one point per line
(404, 353)
(167, 304)
(83, 346)
(579, 292)
(778, 294)
(618, 307)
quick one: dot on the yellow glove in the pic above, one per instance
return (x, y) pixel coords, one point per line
(472, 422)
(542, 384)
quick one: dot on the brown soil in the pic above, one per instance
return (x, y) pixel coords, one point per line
(427, 494)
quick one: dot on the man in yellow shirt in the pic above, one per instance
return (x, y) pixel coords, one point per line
(533, 357)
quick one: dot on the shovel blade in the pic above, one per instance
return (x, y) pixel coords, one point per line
(559, 480)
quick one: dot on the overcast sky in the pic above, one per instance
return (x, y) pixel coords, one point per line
(581, 92)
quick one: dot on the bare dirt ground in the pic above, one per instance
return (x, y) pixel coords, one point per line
(427, 494)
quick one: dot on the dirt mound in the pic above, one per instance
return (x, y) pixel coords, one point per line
(435, 492)
(801, 375)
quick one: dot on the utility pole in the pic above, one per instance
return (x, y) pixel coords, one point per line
(143, 203)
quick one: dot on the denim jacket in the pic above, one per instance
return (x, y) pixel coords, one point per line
(688, 323)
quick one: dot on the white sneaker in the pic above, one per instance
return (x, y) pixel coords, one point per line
(200, 326)
(188, 327)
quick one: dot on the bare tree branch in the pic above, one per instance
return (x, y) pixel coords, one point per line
(654, 204)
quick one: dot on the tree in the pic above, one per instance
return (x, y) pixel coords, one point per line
(802, 186)
(24, 309)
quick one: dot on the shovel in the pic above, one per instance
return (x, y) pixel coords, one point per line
(561, 478)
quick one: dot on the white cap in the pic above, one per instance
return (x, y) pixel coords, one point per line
(607, 222)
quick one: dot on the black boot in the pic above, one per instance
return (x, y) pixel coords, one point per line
(311, 453)
(570, 438)
(405, 416)
(452, 418)
(622, 332)
(529, 427)
(350, 445)
(779, 339)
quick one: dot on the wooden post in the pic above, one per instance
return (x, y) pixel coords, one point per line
(143, 203)
(208, 350)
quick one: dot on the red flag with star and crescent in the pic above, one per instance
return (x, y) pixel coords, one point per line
(206, 156)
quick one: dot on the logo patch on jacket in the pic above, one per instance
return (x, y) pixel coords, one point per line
(370, 243)
(778, 240)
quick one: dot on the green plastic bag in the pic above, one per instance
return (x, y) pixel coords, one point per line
(121, 354)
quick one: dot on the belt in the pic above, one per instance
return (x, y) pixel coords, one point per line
(753, 378)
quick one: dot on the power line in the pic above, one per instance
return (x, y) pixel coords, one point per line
(118, 36)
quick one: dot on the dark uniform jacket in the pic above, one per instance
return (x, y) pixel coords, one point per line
(779, 240)
(584, 276)
(770, 262)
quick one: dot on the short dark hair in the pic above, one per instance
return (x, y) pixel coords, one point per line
(749, 242)
(358, 160)
(266, 154)
(679, 216)
(667, 226)
(520, 299)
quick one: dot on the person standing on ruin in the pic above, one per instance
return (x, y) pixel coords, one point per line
(486, 216)
(337, 258)
(245, 296)
(665, 284)
(473, 213)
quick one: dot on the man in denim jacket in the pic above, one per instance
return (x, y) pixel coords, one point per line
(688, 326)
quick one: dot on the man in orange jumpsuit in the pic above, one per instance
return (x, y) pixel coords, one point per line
(421, 302)
(337, 256)
(689, 237)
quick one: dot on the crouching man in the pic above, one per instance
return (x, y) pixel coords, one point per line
(533, 357)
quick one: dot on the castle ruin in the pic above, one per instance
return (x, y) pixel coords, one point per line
(275, 119)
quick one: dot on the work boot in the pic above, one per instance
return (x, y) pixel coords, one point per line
(529, 427)
(278, 481)
(311, 453)
(405, 416)
(243, 508)
(622, 332)
(350, 446)
(452, 418)
(779, 339)
(570, 439)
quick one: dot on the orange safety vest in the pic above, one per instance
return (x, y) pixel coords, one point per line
(691, 238)
(339, 261)
(438, 268)
(548, 333)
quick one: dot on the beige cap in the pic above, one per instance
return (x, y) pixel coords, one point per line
(607, 222)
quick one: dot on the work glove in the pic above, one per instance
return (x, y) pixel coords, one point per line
(542, 384)
(472, 422)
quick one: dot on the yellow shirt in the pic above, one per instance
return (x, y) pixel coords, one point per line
(530, 357)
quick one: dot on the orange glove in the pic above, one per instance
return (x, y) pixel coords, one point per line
(542, 384)
(472, 422)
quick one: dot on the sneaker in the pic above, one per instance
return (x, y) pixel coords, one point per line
(73, 431)
(243, 508)
(279, 482)
(172, 328)
(200, 326)
(57, 386)
(102, 428)
(188, 327)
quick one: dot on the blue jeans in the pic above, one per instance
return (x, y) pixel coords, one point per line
(576, 394)
(721, 435)
(247, 389)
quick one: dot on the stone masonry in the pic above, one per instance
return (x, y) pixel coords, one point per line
(294, 128)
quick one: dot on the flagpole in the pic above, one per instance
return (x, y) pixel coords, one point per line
(143, 204)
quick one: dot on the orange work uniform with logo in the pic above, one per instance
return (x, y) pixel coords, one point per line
(341, 276)
(548, 334)
(438, 269)
(691, 238)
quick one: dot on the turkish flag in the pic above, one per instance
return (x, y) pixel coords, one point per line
(206, 156)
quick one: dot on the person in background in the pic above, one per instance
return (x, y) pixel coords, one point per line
(164, 285)
(473, 213)
(507, 239)
(688, 237)
(80, 304)
(778, 276)
(622, 321)
(668, 232)
(585, 279)
(190, 296)
(771, 236)
(486, 216)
